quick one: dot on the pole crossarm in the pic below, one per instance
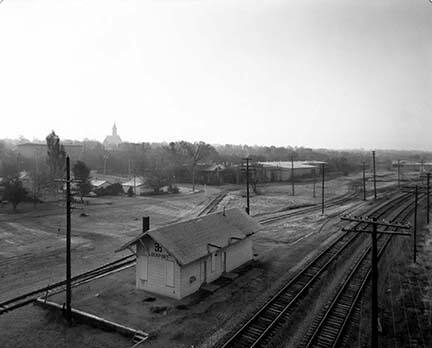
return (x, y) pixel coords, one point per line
(378, 223)
(420, 190)
(378, 232)
(374, 223)
(71, 181)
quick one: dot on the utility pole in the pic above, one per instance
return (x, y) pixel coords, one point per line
(374, 175)
(292, 174)
(68, 244)
(322, 189)
(416, 193)
(374, 285)
(18, 161)
(36, 179)
(415, 225)
(314, 191)
(421, 169)
(68, 312)
(134, 176)
(374, 265)
(364, 180)
(428, 198)
(247, 186)
(398, 174)
(105, 163)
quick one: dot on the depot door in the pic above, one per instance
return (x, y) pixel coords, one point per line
(170, 273)
(142, 264)
(203, 271)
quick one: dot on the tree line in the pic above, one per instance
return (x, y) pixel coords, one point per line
(162, 164)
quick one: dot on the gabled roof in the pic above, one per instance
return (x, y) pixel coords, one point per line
(191, 240)
(212, 167)
(287, 165)
(137, 182)
(97, 182)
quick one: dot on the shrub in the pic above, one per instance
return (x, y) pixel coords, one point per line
(111, 190)
(173, 189)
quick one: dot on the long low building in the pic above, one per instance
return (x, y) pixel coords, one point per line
(283, 170)
(175, 260)
(413, 166)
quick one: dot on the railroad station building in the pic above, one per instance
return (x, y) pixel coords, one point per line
(176, 260)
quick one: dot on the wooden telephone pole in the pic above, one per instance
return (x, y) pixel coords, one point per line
(292, 175)
(322, 188)
(364, 181)
(68, 244)
(428, 198)
(398, 174)
(416, 192)
(374, 175)
(247, 186)
(374, 266)
(68, 181)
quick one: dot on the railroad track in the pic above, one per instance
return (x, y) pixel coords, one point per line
(335, 202)
(267, 321)
(268, 218)
(102, 271)
(327, 330)
(211, 207)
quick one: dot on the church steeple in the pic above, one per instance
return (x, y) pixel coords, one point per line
(112, 142)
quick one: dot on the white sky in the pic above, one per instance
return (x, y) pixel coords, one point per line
(319, 73)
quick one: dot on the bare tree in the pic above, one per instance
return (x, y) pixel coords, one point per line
(56, 159)
(192, 153)
(82, 173)
(14, 191)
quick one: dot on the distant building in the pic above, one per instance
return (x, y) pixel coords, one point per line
(413, 166)
(138, 186)
(212, 174)
(175, 260)
(283, 170)
(113, 141)
(99, 184)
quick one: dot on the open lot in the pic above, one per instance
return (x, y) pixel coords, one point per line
(32, 255)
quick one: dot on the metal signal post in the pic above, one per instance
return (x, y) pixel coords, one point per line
(374, 266)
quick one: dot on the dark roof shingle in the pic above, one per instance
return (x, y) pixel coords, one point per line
(189, 240)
